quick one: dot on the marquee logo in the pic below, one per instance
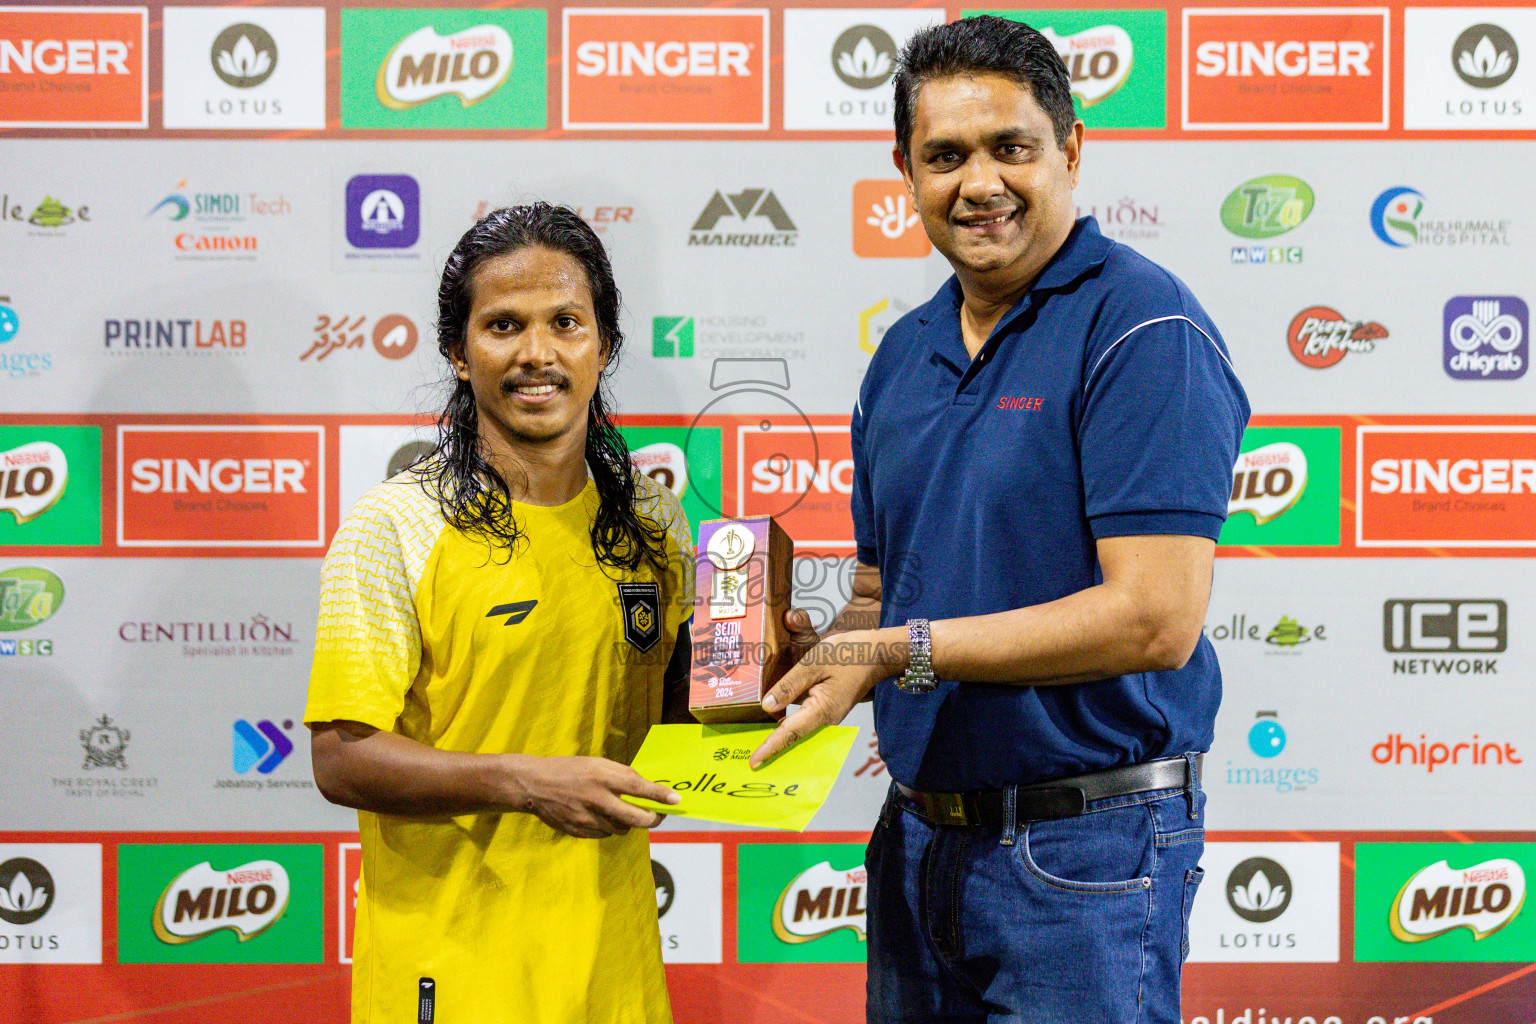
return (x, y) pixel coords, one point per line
(470, 64)
(1321, 336)
(1098, 59)
(1278, 68)
(244, 55)
(1487, 337)
(73, 67)
(246, 900)
(32, 479)
(1485, 56)
(1482, 899)
(819, 901)
(1268, 481)
(755, 209)
(665, 68)
(1452, 486)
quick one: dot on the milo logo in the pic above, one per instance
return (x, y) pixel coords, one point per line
(663, 462)
(247, 900)
(1267, 206)
(1267, 481)
(819, 901)
(32, 479)
(470, 64)
(1482, 899)
(1098, 60)
(28, 596)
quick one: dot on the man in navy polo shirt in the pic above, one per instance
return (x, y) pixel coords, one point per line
(1043, 454)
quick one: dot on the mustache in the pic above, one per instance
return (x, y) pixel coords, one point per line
(533, 380)
(1007, 201)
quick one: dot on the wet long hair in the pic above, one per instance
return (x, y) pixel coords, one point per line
(473, 496)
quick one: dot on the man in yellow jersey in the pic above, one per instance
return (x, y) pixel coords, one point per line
(498, 629)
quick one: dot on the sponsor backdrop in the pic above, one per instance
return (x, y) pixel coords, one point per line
(220, 230)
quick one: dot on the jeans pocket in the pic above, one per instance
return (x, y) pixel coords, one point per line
(1192, 879)
(1101, 852)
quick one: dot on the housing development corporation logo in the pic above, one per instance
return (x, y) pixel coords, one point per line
(633, 68)
(1487, 337)
(1446, 486)
(1263, 208)
(1443, 902)
(73, 67)
(1321, 336)
(885, 222)
(1276, 68)
(1397, 218)
(751, 217)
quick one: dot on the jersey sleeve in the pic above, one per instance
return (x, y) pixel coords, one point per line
(368, 641)
(1163, 416)
(863, 519)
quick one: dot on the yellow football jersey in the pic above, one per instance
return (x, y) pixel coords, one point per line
(498, 917)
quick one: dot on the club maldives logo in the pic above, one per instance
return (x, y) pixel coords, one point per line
(1487, 337)
(243, 55)
(73, 67)
(383, 211)
(469, 64)
(864, 57)
(1259, 890)
(33, 477)
(1482, 898)
(886, 222)
(819, 901)
(29, 596)
(756, 210)
(1277, 68)
(1446, 486)
(1485, 56)
(246, 899)
(1397, 218)
(1321, 336)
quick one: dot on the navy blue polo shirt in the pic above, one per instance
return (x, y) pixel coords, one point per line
(1104, 404)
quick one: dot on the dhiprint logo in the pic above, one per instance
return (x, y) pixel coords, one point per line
(864, 57)
(261, 746)
(26, 891)
(1259, 890)
(751, 207)
(885, 223)
(1487, 337)
(1485, 56)
(1431, 754)
(383, 211)
(1437, 899)
(1321, 336)
(244, 55)
(470, 64)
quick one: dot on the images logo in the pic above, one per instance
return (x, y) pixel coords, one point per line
(864, 57)
(665, 68)
(1287, 481)
(67, 67)
(470, 64)
(1267, 736)
(244, 55)
(1275, 68)
(1485, 56)
(1487, 337)
(32, 479)
(749, 206)
(1259, 890)
(1320, 336)
(1456, 486)
(819, 901)
(1267, 740)
(672, 336)
(1448, 902)
(10, 324)
(261, 746)
(883, 223)
(383, 211)
(106, 745)
(1267, 206)
(28, 597)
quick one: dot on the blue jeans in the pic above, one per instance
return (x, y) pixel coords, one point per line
(1080, 920)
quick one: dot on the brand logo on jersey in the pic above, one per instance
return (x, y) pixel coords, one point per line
(73, 67)
(470, 64)
(819, 901)
(1267, 481)
(641, 607)
(246, 900)
(32, 479)
(1098, 60)
(1482, 899)
(515, 612)
(1320, 336)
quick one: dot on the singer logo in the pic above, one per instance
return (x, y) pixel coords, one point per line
(1267, 481)
(226, 487)
(247, 900)
(802, 475)
(73, 67)
(1277, 68)
(1468, 487)
(32, 479)
(665, 69)
(470, 64)
(1482, 899)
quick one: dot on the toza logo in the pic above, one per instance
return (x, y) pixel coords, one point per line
(864, 57)
(470, 64)
(1259, 890)
(1267, 206)
(32, 479)
(1321, 336)
(244, 55)
(261, 746)
(106, 745)
(819, 901)
(1485, 56)
(246, 900)
(28, 596)
(1098, 60)
(1268, 481)
(1438, 899)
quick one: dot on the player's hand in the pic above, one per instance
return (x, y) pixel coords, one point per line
(802, 634)
(580, 795)
(844, 670)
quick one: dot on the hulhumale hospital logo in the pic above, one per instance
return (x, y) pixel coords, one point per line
(383, 211)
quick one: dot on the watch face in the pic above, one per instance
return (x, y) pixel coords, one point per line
(906, 685)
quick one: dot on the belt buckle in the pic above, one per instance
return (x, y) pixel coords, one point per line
(948, 809)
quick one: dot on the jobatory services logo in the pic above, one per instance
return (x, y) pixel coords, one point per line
(1321, 336)
(633, 68)
(1487, 337)
(50, 901)
(1448, 902)
(221, 487)
(1463, 68)
(687, 877)
(260, 746)
(213, 903)
(1116, 59)
(1267, 741)
(801, 903)
(747, 219)
(443, 68)
(1263, 208)
(838, 65)
(886, 222)
(1285, 488)
(50, 485)
(258, 68)
(1281, 904)
(1279, 69)
(1444, 632)
(1454, 486)
(1397, 218)
(74, 67)
(393, 336)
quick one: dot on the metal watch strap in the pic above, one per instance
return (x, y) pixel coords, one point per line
(918, 677)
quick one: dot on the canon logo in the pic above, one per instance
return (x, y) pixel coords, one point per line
(1463, 476)
(779, 475)
(64, 56)
(672, 59)
(226, 476)
(1293, 59)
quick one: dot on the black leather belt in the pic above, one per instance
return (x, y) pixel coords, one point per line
(1059, 798)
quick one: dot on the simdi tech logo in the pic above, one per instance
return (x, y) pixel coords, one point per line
(221, 487)
(443, 68)
(1452, 486)
(666, 68)
(802, 903)
(50, 486)
(252, 67)
(74, 67)
(1278, 69)
(1285, 488)
(1448, 902)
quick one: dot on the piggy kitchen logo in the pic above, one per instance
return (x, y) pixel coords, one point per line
(1278, 69)
(393, 336)
(819, 901)
(1321, 336)
(246, 900)
(666, 69)
(1487, 337)
(221, 487)
(1264, 208)
(470, 64)
(1268, 481)
(1438, 899)
(757, 210)
(32, 479)
(73, 67)
(1098, 60)
(1452, 486)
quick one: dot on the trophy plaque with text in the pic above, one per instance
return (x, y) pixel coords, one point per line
(740, 644)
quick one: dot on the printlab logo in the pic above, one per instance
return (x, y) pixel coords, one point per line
(864, 57)
(383, 211)
(1263, 208)
(751, 208)
(1487, 337)
(18, 364)
(885, 223)
(1397, 218)
(261, 746)
(1321, 336)
(1259, 890)
(244, 55)
(26, 891)
(393, 336)
(105, 745)
(1485, 56)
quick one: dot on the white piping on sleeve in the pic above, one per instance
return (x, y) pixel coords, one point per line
(1147, 323)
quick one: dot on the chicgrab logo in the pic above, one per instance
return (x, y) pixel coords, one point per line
(1446, 486)
(1439, 898)
(470, 64)
(246, 900)
(1487, 337)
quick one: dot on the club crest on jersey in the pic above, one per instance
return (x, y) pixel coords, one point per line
(641, 605)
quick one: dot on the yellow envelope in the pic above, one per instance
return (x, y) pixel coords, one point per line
(707, 766)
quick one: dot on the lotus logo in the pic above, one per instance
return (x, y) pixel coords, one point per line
(1485, 56)
(864, 57)
(1259, 890)
(666, 889)
(26, 890)
(244, 55)
(1482, 899)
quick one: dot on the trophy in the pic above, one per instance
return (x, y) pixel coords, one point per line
(740, 644)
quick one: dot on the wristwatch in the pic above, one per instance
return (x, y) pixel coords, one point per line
(918, 677)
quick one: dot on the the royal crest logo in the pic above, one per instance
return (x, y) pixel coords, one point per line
(32, 479)
(1482, 899)
(246, 900)
(641, 606)
(106, 745)
(1098, 60)
(470, 64)
(819, 901)
(1267, 481)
